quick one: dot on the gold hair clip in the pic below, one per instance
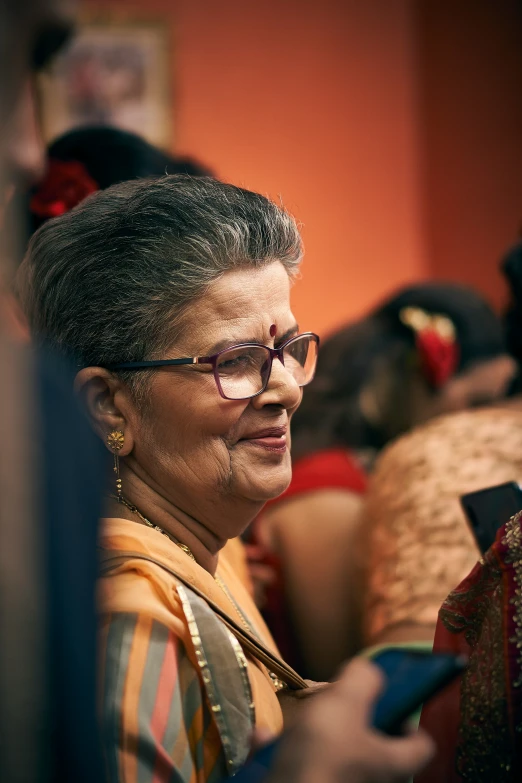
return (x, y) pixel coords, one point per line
(419, 320)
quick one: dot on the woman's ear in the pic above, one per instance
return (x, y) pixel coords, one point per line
(108, 404)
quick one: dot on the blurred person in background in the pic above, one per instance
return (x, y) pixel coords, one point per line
(477, 723)
(92, 158)
(47, 656)
(512, 270)
(413, 529)
(79, 163)
(29, 33)
(429, 349)
(417, 542)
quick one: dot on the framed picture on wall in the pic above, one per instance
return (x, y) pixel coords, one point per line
(112, 73)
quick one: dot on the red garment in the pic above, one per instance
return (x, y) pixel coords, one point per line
(477, 723)
(326, 469)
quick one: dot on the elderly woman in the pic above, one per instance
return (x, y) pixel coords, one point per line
(172, 296)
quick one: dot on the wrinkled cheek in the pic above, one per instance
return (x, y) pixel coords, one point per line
(210, 463)
(225, 473)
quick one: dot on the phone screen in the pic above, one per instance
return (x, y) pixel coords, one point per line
(411, 679)
(488, 509)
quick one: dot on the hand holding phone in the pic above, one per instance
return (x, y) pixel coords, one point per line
(411, 678)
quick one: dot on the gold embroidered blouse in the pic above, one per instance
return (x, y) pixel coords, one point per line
(417, 542)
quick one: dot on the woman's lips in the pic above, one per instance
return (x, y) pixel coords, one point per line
(272, 439)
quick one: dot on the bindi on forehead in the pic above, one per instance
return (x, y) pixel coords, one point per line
(273, 330)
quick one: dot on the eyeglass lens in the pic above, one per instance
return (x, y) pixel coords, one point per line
(243, 371)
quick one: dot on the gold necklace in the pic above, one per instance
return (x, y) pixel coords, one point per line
(278, 684)
(134, 510)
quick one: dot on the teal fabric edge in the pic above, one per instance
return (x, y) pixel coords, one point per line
(371, 652)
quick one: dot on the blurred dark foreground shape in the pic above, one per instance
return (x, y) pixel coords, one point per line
(49, 469)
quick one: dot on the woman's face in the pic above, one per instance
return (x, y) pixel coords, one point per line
(191, 445)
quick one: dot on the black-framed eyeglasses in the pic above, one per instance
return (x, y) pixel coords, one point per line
(243, 371)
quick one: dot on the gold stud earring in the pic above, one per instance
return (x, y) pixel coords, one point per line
(115, 441)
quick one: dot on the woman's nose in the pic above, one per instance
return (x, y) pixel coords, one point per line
(282, 388)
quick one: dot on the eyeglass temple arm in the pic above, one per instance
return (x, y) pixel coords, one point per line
(201, 359)
(154, 363)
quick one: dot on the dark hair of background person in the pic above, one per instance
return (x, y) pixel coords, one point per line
(380, 349)
(512, 269)
(110, 156)
(163, 242)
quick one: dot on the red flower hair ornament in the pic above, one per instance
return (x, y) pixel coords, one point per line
(436, 343)
(66, 183)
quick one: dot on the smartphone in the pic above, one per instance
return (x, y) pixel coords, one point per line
(488, 509)
(411, 679)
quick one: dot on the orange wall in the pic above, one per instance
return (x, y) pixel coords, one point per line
(391, 128)
(471, 72)
(314, 101)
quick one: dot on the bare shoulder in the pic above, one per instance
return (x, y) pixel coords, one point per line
(331, 509)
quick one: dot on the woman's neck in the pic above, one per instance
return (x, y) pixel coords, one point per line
(176, 523)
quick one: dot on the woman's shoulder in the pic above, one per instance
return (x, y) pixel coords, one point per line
(471, 446)
(418, 539)
(419, 479)
(138, 588)
(137, 575)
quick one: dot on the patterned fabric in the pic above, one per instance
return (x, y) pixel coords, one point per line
(418, 542)
(156, 724)
(179, 695)
(477, 724)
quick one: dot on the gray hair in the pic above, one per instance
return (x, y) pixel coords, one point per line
(110, 281)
